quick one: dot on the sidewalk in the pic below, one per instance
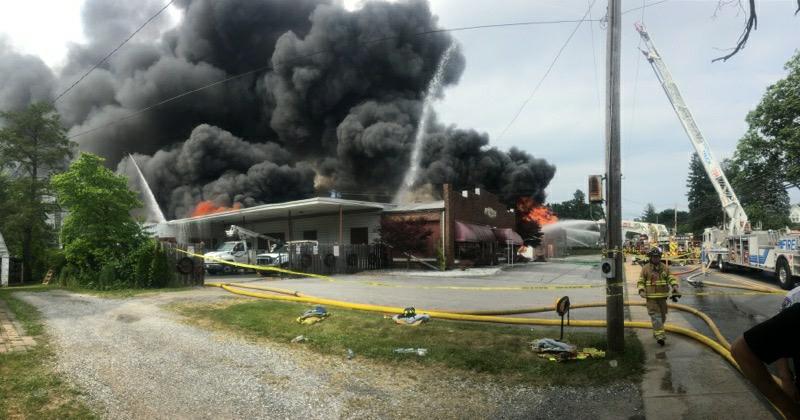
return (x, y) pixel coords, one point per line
(686, 379)
(12, 335)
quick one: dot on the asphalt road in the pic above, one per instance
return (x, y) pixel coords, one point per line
(736, 311)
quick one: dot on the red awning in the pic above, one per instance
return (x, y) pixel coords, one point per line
(506, 235)
(467, 232)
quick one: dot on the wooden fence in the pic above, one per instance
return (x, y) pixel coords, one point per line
(188, 270)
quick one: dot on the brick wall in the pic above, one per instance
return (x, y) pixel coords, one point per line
(480, 207)
(432, 218)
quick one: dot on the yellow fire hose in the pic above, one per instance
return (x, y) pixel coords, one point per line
(293, 296)
(286, 295)
(722, 347)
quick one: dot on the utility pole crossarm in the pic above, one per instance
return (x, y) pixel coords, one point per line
(730, 203)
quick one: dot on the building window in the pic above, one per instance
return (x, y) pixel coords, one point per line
(359, 235)
(309, 235)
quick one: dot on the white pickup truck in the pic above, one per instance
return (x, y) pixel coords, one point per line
(277, 257)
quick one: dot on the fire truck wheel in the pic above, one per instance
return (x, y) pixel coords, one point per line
(784, 274)
(721, 265)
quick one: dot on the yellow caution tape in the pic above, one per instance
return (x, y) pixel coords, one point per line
(377, 283)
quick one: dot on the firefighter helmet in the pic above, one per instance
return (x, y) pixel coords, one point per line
(654, 252)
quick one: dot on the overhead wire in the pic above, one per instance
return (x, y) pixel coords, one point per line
(594, 67)
(107, 56)
(644, 6)
(312, 54)
(268, 66)
(547, 72)
(632, 115)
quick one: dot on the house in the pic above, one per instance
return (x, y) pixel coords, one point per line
(794, 214)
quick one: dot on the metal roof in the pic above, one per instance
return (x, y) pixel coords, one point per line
(431, 205)
(307, 207)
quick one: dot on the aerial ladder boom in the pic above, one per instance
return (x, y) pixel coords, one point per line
(738, 222)
(243, 233)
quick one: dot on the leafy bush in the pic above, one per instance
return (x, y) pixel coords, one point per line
(107, 278)
(160, 270)
(67, 274)
(139, 262)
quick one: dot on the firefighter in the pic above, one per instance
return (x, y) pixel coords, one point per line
(655, 283)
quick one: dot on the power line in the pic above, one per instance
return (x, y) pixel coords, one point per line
(315, 53)
(632, 115)
(547, 72)
(644, 6)
(594, 67)
(113, 51)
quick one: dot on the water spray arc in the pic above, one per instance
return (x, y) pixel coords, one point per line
(154, 213)
(419, 138)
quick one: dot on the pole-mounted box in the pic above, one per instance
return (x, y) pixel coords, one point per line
(607, 267)
(595, 189)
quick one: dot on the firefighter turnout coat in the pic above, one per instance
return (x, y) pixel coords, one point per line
(656, 281)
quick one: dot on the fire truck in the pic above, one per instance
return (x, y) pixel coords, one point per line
(736, 244)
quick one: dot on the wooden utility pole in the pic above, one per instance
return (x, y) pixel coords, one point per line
(675, 221)
(615, 333)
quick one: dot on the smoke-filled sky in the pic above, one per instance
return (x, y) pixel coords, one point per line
(346, 119)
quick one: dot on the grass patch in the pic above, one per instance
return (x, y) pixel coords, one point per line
(122, 293)
(29, 388)
(475, 347)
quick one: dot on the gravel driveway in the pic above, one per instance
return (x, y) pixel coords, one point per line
(134, 359)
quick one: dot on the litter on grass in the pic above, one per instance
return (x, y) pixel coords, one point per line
(411, 318)
(557, 351)
(299, 339)
(419, 352)
(312, 316)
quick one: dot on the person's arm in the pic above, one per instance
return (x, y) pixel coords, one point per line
(756, 372)
(640, 282)
(787, 379)
(671, 280)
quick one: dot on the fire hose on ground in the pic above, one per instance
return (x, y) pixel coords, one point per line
(722, 347)
(491, 316)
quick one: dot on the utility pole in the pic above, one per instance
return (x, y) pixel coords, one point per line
(675, 222)
(615, 329)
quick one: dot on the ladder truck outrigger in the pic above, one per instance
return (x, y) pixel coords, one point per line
(736, 244)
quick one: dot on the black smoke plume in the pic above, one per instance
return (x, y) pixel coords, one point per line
(330, 107)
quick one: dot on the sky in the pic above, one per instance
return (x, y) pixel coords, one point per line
(563, 121)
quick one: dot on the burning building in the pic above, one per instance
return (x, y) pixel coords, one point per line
(470, 227)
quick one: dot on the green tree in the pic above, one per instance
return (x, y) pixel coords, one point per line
(98, 229)
(577, 208)
(407, 235)
(762, 194)
(667, 218)
(773, 137)
(33, 146)
(650, 215)
(705, 209)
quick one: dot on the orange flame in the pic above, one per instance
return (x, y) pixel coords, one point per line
(534, 212)
(209, 207)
